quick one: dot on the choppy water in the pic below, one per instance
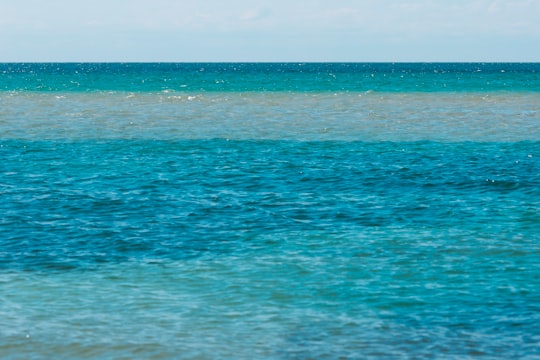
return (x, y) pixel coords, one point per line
(274, 215)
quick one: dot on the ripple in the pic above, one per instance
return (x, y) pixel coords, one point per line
(272, 249)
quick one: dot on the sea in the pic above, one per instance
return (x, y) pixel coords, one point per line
(270, 211)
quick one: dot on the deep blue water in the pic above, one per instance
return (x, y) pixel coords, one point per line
(291, 211)
(72, 205)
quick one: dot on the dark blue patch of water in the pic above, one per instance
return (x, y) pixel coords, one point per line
(69, 205)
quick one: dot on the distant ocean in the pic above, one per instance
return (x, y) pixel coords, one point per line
(270, 211)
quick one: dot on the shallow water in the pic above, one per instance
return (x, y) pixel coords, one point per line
(272, 225)
(276, 115)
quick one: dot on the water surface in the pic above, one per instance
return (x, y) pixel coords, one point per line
(269, 211)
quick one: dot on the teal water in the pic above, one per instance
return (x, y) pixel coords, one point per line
(310, 77)
(152, 211)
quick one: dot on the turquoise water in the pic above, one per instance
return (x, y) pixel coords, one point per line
(269, 211)
(310, 77)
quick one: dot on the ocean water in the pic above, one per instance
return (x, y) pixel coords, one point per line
(270, 211)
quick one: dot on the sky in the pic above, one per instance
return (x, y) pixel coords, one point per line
(269, 30)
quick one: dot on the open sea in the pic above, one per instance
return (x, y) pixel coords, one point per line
(270, 211)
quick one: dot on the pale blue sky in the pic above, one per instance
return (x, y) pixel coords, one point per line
(269, 30)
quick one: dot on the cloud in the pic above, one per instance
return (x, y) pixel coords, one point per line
(412, 17)
(255, 15)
